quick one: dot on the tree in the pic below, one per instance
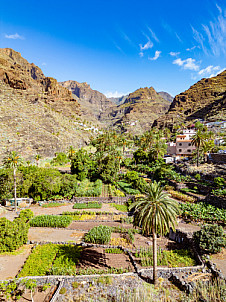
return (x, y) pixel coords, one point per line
(198, 140)
(13, 160)
(158, 149)
(155, 213)
(71, 152)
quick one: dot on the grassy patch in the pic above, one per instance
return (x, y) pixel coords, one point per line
(120, 207)
(53, 205)
(52, 221)
(88, 205)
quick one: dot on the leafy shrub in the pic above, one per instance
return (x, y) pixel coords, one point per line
(219, 182)
(13, 234)
(219, 192)
(128, 220)
(26, 215)
(210, 238)
(100, 234)
(88, 205)
(52, 221)
(60, 159)
(127, 188)
(63, 291)
(198, 176)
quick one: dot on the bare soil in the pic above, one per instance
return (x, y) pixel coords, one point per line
(220, 260)
(10, 264)
(98, 259)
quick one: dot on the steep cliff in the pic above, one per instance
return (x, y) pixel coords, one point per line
(204, 100)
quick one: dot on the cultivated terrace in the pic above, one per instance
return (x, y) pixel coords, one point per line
(113, 221)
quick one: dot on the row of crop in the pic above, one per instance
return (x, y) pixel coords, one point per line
(50, 259)
(127, 188)
(179, 195)
(203, 212)
(87, 205)
(52, 221)
(172, 258)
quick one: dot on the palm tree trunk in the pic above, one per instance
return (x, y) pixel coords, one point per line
(197, 156)
(14, 180)
(154, 256)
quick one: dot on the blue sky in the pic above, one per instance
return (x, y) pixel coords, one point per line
(119, 46)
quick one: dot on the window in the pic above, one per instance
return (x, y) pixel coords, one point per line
(189, 150)
(189, 144)
(180, 150)
(180, 144)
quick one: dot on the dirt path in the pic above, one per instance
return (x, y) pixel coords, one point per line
(10, 264)
(54, 235)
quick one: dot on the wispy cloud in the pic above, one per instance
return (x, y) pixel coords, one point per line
(174, 54)
(219, 71)
(44, 64)
(157, 55)
(212, 36)
(192, 48)
(153, 35)
(171, 31)
(146, 46)
(114, 94)
(15, 36)
(209, 70)
(189, 63)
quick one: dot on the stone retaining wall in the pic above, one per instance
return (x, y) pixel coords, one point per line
(118, 200)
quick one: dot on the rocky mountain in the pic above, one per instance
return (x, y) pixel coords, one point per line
(92, 102)
(138, 111)
(204, 100)
(166, 96)
(119, 100)
(37, 115)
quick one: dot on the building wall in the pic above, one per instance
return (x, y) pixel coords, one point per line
(184, 147)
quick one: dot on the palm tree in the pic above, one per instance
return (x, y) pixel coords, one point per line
(198, 140)
(12, 161)
(158, 149)
(155, 213)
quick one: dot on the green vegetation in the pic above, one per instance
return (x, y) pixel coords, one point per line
(203, 212)
(212, 291)
(53, 204)
(155, 213)
(210, 238)
(60, 159)
(95, 271)
(173, 258)
(120, 207)
(52, 221)
(88, 189)
(181, 196)
(88, 205)
(113, 251)
(127, 188)
(100, 234)
(51, 259)
(13, 234)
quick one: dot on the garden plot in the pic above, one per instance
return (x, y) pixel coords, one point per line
(59, 259)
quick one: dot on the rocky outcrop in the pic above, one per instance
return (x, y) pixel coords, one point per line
(166, 96)
(90, 100)
(204, 100)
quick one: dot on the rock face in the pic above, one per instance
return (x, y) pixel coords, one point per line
(166, 96)
(37, 115)
(91, 101)
(204, 100)
(138, 112)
